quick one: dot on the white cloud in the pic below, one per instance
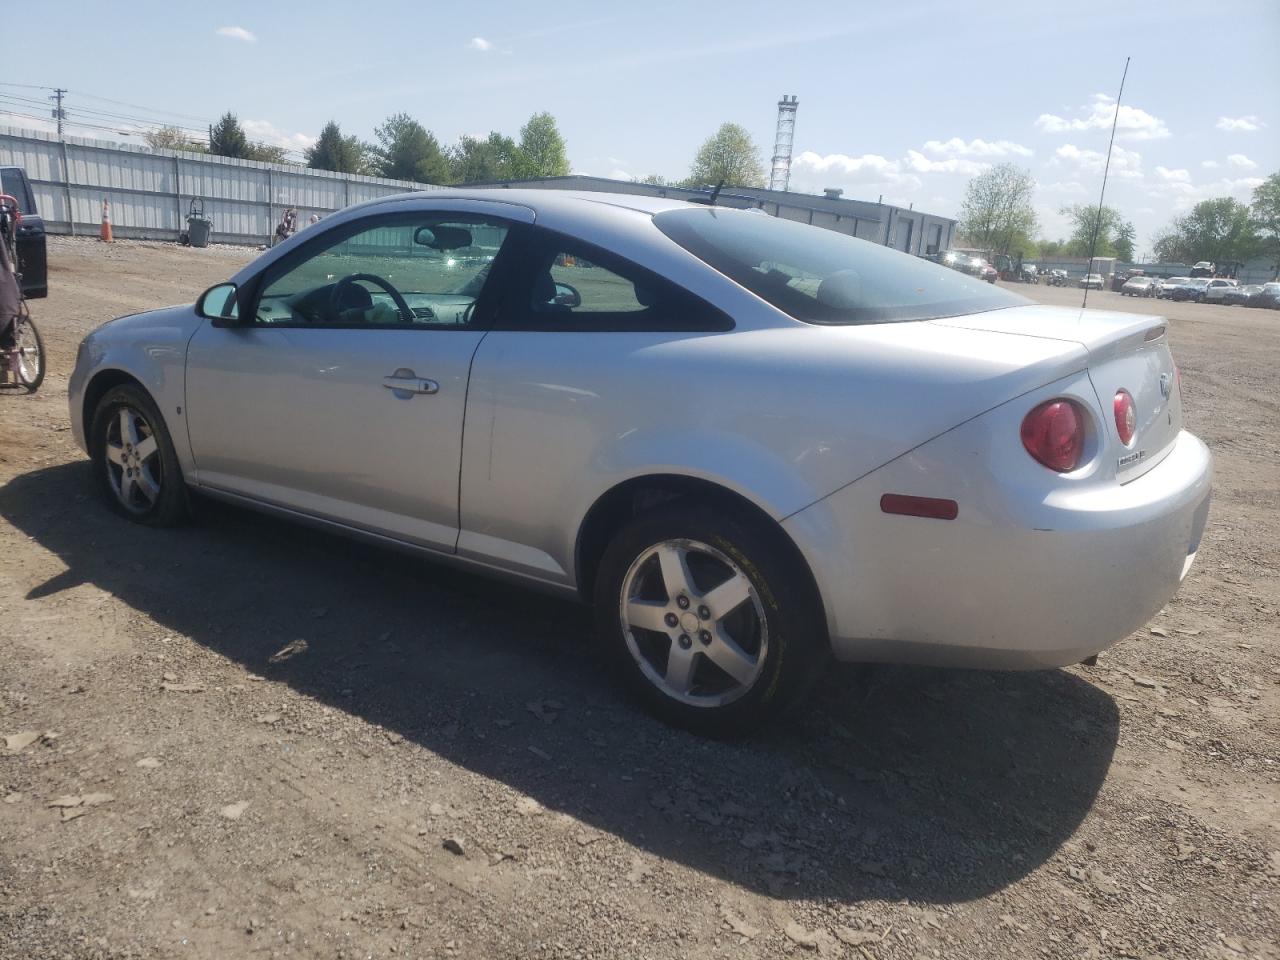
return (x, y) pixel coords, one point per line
(1182, 194)
(1132, 123)
(1240, 162)
(237, 33)
(1246, 124)
(1173, 176)
(919, 163)
(957, 147)
(1125, 164)
(263, 131)
(814, 171)
(481, 44)
(1210, 164)
(1069, 188)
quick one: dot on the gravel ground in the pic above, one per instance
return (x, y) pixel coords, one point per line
(243, 738)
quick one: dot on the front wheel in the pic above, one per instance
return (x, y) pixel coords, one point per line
(134, 460)
(707, 618)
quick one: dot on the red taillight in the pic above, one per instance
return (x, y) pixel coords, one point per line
(1053, 433)
(1126, 416)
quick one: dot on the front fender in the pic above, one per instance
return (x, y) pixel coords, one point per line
(150, 348)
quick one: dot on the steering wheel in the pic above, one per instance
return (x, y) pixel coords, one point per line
(340, 288)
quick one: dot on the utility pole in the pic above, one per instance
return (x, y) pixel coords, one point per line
(58, 113)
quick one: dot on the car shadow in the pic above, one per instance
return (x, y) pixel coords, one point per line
(930, 785)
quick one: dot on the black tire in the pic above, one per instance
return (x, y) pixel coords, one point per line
(794, 623)
(33, 384)
(169, 506)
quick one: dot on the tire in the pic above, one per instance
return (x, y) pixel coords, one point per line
(29, 336)
(770, 630)
(124, 421)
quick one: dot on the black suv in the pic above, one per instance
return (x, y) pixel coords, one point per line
(32, 259)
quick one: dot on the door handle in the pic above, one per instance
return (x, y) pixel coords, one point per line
(402, 383)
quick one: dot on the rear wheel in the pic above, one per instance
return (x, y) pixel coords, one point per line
(134, 460)
(28, 354)
(706, 619)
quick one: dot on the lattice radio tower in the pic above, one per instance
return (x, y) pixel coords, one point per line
(780, 173)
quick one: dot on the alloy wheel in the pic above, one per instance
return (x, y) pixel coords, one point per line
(133, 462)
(693, 623)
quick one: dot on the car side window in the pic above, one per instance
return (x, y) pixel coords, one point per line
(567, 284)
(403, 271)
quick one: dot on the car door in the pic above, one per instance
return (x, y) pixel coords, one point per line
(341, 392)
(581, 354)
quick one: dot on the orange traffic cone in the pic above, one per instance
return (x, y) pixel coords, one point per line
(105, 235)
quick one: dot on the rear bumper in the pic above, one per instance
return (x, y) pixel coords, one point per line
(1020, 579)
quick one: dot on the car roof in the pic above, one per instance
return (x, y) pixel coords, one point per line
(546, 200)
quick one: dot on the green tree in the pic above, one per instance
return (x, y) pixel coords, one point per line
(729, 155)
(267, 153)
(542, 151)
(1124, 240)
(172, 138)
(1220, 231)
(227, 139)
(997, 214)
(1266, 216)
(1115, 234)
(473, 160)
(654, 179)
(333, 151)
(406, 150)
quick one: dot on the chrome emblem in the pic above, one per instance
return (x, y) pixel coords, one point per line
(1166, 384)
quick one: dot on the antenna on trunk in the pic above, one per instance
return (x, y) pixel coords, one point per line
(1097, 222)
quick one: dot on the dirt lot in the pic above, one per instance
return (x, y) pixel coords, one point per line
(205, 785)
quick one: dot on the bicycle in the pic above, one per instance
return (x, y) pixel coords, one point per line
(22, 362)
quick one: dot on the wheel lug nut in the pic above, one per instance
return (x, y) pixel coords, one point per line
(685, 642)
(682, 602)
(671, 619)
(704, 613)
(705, 637)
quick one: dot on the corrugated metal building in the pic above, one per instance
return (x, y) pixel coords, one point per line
(909, 230)
(150, 191)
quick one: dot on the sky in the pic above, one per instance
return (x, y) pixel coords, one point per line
(905, 101)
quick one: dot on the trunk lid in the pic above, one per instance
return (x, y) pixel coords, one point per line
(1126, 352)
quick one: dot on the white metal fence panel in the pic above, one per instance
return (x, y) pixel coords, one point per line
(150, 192)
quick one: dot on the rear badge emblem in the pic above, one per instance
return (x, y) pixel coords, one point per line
(1166, 383)
(1131, 458)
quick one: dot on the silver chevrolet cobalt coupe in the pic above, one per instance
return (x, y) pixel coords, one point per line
(750, 443)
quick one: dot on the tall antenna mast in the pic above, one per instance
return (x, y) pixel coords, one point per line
(780, 172)
(1097, 223)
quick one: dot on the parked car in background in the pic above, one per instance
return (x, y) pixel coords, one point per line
(1091, 281)
(1057, 278)
(1203, 269)
(1269, 296)
(1241, 296)
(1138, 287)
(1193, 289)
(1169, 285)
(1215, 291)
(33, 260)
(751, 444)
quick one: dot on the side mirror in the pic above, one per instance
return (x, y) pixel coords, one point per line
(567, 296)
(220, 304)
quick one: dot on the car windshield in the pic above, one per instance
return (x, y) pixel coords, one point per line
(820, 276)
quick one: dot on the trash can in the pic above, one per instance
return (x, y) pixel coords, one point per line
(198, 225)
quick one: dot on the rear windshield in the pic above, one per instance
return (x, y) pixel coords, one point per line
(821, 276)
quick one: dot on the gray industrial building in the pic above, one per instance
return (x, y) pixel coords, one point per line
(912, 231)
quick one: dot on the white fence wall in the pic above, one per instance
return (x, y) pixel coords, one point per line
(150, 192)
